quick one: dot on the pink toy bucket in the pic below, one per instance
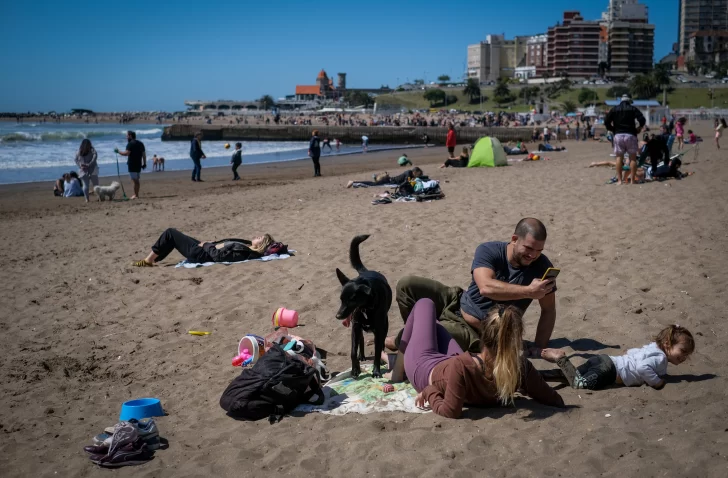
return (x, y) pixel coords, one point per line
(285, 318)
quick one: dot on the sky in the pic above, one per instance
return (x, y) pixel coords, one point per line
(135, 55)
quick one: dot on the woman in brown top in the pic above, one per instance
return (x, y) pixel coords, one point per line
(449, 378)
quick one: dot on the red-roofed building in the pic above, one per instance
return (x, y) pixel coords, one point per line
(323, 89)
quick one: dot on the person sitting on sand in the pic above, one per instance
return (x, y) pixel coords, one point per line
(461, 162)
(518, 148)
(404, 161)
(58, 186)
(70, 186)
(448, 378)
(648, 364)
(503, 273)
(226, 250)
(692, 139)
(386, 179)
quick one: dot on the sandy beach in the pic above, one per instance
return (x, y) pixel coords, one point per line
(83, 331)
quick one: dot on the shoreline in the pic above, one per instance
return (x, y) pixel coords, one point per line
(282, 161)
(38, 195)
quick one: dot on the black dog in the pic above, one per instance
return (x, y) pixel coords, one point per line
(365, 303)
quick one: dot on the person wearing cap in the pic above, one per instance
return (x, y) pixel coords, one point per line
(622, 121)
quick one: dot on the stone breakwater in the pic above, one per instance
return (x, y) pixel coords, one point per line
(346, 134)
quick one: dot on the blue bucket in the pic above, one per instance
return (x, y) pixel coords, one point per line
(141, 408)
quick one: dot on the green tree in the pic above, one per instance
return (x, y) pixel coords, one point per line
(587, 96)
(661, 76)
(564, 84)
(501, 93)
(546, 76)
(434, 96)
(643, 86)
(443, 79)
(528, 93)
(472, 89)
(359, 98)
(266, 102)
(569, 106)
(451, 100)
(617, 91)
(501, 88)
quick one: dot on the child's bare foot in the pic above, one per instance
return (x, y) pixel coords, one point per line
(552, 355)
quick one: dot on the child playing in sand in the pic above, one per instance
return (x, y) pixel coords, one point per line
(648, 364)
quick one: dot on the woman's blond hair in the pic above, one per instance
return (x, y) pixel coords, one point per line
(267, 241)
(502, 335)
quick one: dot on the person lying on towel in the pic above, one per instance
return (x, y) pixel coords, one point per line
(226, 250)
(384, 179)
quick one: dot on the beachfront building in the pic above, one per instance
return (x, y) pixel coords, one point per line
(708, 48)
(324, 89)
(496, 57)
(573, 47)
(699, 15)
(630, 38)
(536, 53)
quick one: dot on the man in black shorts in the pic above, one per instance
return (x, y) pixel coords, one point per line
(503, 273)
(136, 159)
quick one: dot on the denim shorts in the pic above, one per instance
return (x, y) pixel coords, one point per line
(134, 176)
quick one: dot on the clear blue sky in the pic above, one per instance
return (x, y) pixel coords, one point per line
(131, 55)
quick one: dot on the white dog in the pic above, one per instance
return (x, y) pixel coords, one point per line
(104, 192)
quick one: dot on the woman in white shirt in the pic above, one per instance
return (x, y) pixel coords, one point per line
(644, 365)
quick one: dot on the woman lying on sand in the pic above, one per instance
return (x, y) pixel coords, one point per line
(384, 179)
(648, 364)
(226, 250)
(449, 378)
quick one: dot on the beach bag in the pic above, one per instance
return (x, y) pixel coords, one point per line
(276, 248)
(275, 385)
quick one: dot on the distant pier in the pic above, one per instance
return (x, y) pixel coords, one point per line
(346, 134)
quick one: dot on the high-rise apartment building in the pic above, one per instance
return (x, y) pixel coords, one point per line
(630, 40)
(496, 57)
(700, 15)
(573, 47)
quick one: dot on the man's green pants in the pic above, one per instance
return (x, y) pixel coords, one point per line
(410, 289)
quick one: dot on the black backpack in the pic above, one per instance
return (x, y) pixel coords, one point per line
(274, 386)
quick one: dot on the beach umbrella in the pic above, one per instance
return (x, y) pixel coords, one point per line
(487, 153)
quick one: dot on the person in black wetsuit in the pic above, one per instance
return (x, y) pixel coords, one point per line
(385, 178)
(314, 152)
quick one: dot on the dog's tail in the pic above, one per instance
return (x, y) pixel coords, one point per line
(354, 253)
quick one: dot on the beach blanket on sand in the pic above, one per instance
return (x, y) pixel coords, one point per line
(272, 257)
(361, 185)
(363, 395)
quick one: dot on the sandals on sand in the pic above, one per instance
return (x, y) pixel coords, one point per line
(142, 263)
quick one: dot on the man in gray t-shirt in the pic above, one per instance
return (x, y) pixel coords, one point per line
(503, 273)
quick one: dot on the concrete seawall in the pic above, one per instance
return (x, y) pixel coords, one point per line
(347, 134)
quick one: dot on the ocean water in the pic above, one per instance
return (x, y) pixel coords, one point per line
(43, 152)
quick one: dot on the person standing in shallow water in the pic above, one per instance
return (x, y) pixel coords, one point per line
(314, 152)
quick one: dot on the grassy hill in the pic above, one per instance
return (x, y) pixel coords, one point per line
(679, 98)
